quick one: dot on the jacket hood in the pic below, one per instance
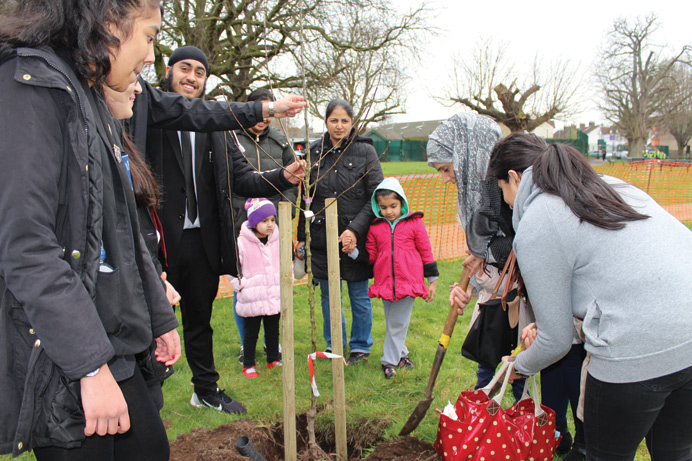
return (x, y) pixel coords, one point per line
(390, 183)
(526, 193)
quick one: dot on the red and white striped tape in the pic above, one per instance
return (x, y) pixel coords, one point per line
(311, 367)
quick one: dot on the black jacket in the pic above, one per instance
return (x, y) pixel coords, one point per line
(51, 334)
(357, 165)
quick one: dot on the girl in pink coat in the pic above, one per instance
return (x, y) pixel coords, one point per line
(399, 247)
(258, 285)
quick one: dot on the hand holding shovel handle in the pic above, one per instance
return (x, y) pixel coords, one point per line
(422, 407)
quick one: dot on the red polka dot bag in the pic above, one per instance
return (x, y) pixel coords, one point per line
(482, 430)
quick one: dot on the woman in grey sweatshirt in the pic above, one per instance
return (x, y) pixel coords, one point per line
(596, 248)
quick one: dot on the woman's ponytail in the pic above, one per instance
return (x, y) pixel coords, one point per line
(561, 170)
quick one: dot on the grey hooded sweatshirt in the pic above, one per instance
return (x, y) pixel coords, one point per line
(631, 286)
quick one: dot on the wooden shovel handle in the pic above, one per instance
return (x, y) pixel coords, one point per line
(448, 329)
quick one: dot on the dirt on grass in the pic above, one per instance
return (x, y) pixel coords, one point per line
(363, 437)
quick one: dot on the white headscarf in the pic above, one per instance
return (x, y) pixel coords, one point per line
(465, 140)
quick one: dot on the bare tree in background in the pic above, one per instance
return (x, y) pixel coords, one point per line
(678, 117)
(636, 79)
(491, 85)
(255, 43)
(371, 81)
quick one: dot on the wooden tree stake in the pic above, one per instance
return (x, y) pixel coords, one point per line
(288, 369)
(334, 274)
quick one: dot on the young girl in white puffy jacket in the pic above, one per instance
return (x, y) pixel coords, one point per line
(258, 285)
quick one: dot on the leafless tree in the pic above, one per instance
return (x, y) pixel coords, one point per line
(678, 117)
(492, 85)
(255, 43)
(636, 79)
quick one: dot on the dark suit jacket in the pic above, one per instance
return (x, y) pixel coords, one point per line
(173, 203)
(218, 164)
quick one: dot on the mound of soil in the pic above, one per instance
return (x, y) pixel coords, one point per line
(219, 444)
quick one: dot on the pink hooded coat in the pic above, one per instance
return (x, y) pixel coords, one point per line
(401, 258)
(259, 287)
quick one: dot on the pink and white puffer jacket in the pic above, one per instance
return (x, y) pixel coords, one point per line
(259, 287)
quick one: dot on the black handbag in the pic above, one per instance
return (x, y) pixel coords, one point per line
(491, 336)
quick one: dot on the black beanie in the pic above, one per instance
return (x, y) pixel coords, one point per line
(189, 52)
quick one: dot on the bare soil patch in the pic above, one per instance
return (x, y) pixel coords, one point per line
(364, 437)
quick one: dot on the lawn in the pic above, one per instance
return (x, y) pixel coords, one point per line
(402, 168)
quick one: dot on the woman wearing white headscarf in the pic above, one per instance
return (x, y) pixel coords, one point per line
(459, 149)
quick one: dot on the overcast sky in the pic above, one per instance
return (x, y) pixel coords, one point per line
(548, 28)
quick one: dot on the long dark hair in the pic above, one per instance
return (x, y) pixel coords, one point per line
(145, 186)
(78, 28)
(559, 169)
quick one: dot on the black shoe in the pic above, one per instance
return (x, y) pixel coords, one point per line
(405, 362)
(357, 357)
(578, 453)
(565, 444)
(389, 371)
(217, 400)
(241, 357)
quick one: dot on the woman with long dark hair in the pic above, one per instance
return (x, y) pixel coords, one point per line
(345, 166)
(595, 248)
(80, 297)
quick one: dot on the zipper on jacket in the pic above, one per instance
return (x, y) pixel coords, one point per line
(393, 274)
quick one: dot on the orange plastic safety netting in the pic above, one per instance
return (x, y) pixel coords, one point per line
(668, 182)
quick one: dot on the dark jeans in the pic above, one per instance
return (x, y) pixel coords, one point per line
(271, 338)
(485, 375)
(560, 384)
(618, 416)
(146, 440)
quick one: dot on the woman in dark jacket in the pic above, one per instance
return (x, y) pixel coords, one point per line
(80, 297)
(345, 167)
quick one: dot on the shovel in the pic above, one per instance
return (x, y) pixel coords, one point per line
(422, 407)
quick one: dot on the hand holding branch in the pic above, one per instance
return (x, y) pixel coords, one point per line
(290, 106)
(295, 172)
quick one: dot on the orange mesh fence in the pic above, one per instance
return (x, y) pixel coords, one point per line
(668, 182)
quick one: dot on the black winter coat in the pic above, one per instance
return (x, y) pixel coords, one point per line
(357, 165)
(51, 334)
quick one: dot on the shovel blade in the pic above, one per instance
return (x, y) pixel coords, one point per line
(416, 417)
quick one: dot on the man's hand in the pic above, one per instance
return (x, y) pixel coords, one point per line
(348, 240)
(295, 172)
(290, 106)
(168, 347)
(105, 409)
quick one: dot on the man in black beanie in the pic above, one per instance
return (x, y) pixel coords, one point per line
(197, 174)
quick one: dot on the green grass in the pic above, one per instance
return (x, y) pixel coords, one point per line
(401, 168)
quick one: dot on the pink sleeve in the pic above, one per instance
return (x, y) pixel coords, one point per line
(423, 242)
(371, 246)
